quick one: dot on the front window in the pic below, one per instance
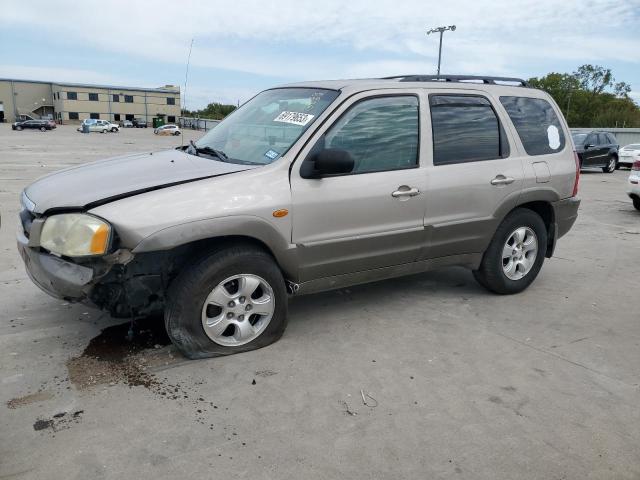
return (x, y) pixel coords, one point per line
(265, 127)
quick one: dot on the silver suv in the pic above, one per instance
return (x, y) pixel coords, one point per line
(309, 187)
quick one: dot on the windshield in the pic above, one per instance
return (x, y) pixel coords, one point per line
(265, 127)
(579, 138)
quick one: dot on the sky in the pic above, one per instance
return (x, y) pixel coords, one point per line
(241, 47)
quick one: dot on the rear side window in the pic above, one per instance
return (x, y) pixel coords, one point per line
(611, 138)
(536, 123)
(380, 134)
(465, 129)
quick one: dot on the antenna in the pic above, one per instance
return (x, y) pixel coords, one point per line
(184, 94)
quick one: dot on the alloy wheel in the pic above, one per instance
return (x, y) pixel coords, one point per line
(238, 310)
(519, 253)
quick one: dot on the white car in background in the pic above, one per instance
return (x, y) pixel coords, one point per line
(629, 154)
(102, 126)
(167, 130)
(634, 184)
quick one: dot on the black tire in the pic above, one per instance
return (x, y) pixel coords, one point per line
(177, 133)
(19, 128)
(490, 274)
(43, 129)
(187, 293)
(636, 203)
(612, 165)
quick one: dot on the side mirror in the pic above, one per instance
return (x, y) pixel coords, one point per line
(327, 162)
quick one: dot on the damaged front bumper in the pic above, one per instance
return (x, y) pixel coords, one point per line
(55, 276)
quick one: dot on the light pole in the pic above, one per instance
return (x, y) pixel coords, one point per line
(441, 30)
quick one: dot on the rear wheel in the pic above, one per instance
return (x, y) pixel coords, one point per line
(515, 254)
(612, 165)
(229, 301)
(177, 133)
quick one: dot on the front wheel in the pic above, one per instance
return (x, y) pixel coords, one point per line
(229, 301)
(515, 255)
(636, 203)
(612, 165)
(18, 128)
(43, 129)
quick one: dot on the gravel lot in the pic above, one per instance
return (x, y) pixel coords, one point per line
(461, 383)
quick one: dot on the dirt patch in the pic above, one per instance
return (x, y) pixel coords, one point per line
(60, 421)
(121, 355)
(29, 399)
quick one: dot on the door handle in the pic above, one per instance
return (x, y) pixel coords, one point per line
(405, 191)
(502, 180)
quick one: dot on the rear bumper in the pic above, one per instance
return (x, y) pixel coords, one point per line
(566, 214)
(55, 276)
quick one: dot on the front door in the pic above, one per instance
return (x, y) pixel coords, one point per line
(373, 216)
(475, 173)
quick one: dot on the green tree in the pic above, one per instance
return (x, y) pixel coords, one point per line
(590, 97)
(215, 111)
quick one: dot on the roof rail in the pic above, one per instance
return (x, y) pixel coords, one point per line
(458, 78)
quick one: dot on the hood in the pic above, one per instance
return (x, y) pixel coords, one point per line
(97, 183)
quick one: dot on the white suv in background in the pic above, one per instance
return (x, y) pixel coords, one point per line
(634, 184)
(629, 154)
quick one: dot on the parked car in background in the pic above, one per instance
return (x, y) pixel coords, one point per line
(167, 130)
(309, 187)
(127, 124)
(629, 154)
(634, 184)
(102, 126)
(140, 123)
(41, 125)
(597, 150)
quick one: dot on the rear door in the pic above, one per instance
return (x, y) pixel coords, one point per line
(592, 151)
(474, 174)
(372, 217)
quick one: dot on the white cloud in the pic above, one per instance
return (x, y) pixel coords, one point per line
(307, 39)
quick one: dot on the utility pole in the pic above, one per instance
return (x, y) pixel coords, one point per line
(441, 31)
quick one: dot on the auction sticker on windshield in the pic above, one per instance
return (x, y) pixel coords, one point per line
(295, 118)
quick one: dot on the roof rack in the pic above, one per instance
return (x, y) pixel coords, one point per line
(459, 78)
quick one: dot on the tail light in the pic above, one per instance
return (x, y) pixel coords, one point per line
(577, 180)
(636, 165)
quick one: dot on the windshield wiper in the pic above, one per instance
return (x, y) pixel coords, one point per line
(193, 149)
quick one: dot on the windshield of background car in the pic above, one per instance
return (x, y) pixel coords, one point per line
(264, 128)
(579, 138)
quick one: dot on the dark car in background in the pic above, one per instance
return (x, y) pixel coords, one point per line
(597, 150)
(139, 123)
(41, 125)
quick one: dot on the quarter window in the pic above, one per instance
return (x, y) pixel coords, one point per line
(536, 123)
(465, 129)
(380, 134)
